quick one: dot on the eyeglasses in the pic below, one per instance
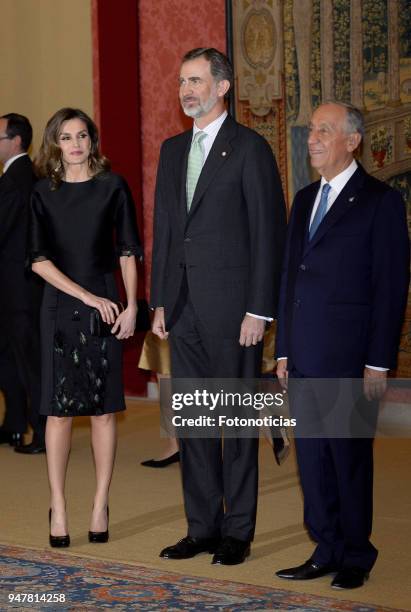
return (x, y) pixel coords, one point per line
(5, 138)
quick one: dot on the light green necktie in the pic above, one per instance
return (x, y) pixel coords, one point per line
(194, 166)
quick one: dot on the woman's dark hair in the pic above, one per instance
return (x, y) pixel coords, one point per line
(48, 162)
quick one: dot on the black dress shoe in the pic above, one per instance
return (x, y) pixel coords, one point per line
(99, 537)
(11, 437)
(34, 448)
(231, 551)
(58, 541)
(189, 547)
(307, 571)
(161, 463)
(350, 578)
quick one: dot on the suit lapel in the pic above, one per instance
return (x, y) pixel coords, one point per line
(309, 208)
(218, 155)
(344, 202)
(303, 214)
(180, 174)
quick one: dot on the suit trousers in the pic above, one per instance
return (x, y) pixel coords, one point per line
(336, 475)
(220, 478)
(15, 417)
(22, 334)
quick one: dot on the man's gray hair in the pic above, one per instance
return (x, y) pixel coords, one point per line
(355, 119)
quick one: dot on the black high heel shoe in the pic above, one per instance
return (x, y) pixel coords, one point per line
(99, 537)
(162, 463)
(58, 541)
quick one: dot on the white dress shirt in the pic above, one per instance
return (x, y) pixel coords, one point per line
(211, 130)
(337, 185)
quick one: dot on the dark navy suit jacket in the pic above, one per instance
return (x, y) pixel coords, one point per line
(343, 293)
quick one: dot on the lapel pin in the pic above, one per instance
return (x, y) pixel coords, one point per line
(351, 199)
(224, 153)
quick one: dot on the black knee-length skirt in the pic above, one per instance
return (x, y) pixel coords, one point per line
(81, 373)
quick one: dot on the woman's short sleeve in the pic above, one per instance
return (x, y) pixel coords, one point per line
(127, 236)
(39, 246)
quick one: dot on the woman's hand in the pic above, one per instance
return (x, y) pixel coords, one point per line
(109, 310)
(125, 323)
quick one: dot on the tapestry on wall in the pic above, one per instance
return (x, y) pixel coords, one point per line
(291, 55)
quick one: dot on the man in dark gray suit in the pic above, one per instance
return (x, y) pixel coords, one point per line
(218, 239)
(20, 296)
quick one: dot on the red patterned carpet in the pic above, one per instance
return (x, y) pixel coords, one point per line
(45, 580)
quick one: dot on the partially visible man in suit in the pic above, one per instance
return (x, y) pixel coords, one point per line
(343, 294)
(218, 239)
(20, 296)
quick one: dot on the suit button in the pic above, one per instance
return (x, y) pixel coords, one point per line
(187, 239)
(297, 303)
(303, 267)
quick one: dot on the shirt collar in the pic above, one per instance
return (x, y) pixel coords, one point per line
(11, 160)
(339, 182)
(213, 127)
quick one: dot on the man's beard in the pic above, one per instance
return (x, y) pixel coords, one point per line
(199, 110)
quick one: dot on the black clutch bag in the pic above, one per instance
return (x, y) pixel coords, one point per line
(143, 320)
(98, 327)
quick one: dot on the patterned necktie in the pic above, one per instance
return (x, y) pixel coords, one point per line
(195, 165)
(321, 209)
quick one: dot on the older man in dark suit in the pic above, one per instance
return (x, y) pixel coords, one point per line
(218, 238)
(20, 296)
(343, 294)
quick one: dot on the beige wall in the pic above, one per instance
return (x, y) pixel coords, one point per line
(45, 58)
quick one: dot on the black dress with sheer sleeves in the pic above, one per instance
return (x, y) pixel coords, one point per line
(83, 228)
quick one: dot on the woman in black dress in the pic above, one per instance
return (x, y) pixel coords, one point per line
(83, 219)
